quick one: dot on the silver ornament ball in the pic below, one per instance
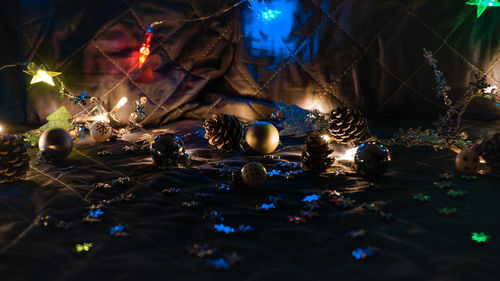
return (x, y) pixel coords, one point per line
(55, 144)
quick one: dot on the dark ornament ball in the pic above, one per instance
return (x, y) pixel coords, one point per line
(167, 151)
(55, 145)
(372, 160)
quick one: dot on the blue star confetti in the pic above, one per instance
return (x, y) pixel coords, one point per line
(224, 228)
(273, 173)
(311, 198)
(363, 253)
(245, 228)
(94, 215)
(119, 230)
(265, 207)
(220, 263)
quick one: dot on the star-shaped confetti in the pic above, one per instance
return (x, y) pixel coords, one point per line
(119, 230)
(266, 207)
(94, 215)
(442, 184)
(273, 173)
(363, 253)
(483, 4)
(40, 74)
(85, 247)
(447, 211)
(460, 194)
(422, 197)
(220, 263)
(224, 228)
(311, 198)
(480, 237)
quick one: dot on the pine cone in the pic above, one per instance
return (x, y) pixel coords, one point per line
(347, 125)
(315, 157)
(490, 151)
(223, 131)
(14, 161)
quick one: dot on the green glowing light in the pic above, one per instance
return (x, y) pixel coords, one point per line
(483, 4)
(480, 237)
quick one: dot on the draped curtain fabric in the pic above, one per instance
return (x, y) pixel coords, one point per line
(316, 54)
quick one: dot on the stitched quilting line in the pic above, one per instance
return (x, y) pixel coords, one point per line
(57, 180)
(424, 63)
(446, 42)
(125, 73)
(388, 71)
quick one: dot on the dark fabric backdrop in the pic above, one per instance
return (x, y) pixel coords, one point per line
(367, 53)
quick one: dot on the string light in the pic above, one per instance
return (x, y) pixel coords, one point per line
(40, 74)
(146, 46)
(264, 13)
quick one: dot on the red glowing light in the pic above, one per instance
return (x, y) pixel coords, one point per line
(145, 49)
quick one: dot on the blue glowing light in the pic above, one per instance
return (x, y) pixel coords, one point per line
(267, 26)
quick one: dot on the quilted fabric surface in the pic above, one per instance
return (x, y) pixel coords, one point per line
(316, 54)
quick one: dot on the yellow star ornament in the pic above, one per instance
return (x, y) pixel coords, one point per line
(40, 74)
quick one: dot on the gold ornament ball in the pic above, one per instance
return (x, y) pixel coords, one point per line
(263, 137)
(100, 131)
(253, 174)
(467, 162)
(55, 144)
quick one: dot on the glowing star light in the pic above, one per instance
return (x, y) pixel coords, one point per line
(483, 4)
(40, 74)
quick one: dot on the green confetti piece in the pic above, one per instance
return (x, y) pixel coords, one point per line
(447, 211)
(422, 197)
(480, 237)
(456, 193)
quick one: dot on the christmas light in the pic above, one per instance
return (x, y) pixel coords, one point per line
(145, 49)
(40, 74)
(483, 4)
(326, 138)
(348, 154)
